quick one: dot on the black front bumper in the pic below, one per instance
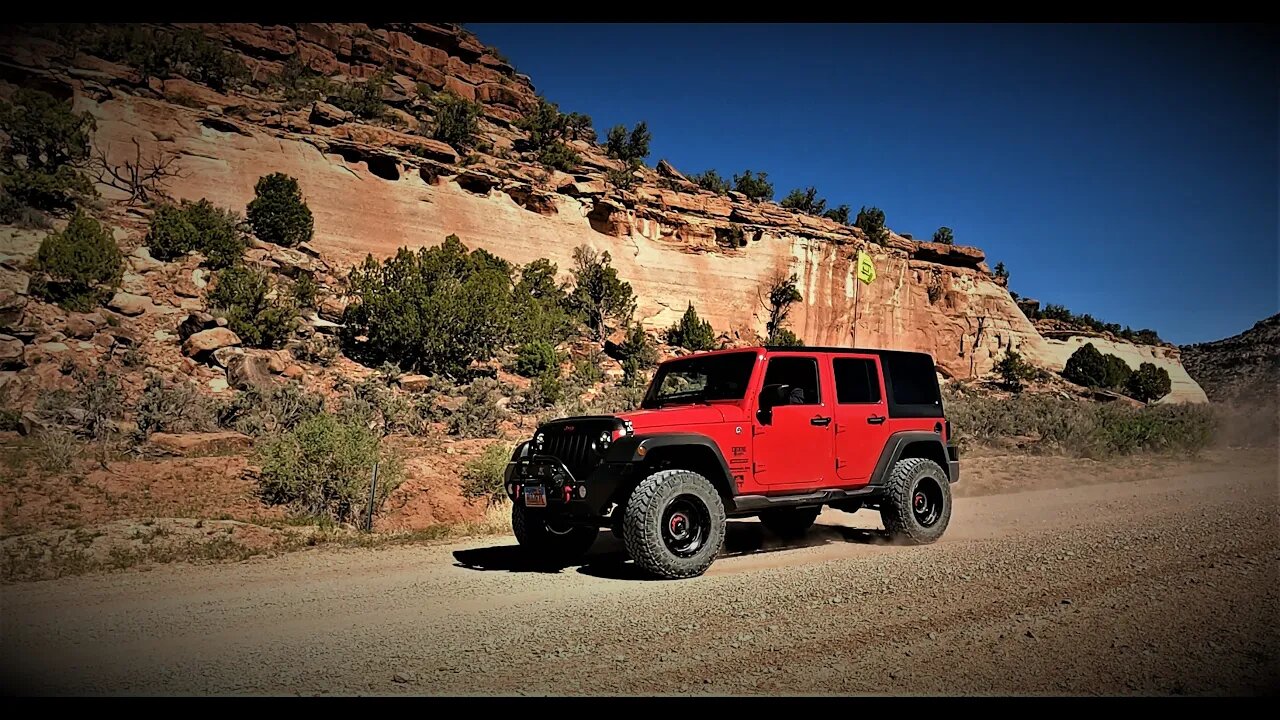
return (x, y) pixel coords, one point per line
(588, 500)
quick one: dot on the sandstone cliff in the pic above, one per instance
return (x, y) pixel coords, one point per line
(377, 186)
(1241, 367)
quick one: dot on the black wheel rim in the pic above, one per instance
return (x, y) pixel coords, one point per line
(926, 502)
(686, 523)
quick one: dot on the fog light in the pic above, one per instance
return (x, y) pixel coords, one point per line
(582, 491)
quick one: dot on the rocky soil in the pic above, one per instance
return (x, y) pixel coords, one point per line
(1162, 586)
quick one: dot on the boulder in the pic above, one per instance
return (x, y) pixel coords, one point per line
(140, 261)
(414, 383)
(11, 356)
(222, 356)
(943, 254)
(194, 323)
(123, 337)
(245, 371)
(129, 303)
(84, 326)
(206, 341)
(11, 307)
(294, 372)
(666, 170)
(322, 113)
(201, 443)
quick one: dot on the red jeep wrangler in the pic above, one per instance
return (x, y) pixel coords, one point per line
(776, 432)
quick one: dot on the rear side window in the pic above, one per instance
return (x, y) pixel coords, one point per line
(857, 380)
(801, 373)
(912, 384)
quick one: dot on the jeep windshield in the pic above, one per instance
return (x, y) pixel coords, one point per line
(700, 379)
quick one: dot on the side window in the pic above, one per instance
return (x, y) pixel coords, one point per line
(856, 380)
(801, 373)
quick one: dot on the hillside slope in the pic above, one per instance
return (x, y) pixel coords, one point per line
(1241, 367)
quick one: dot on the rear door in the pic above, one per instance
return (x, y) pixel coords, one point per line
(861, 416)
(793, 444)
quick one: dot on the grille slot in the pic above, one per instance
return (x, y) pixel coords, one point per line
(574, 449)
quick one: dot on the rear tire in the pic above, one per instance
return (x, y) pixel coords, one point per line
(674, 524)
(547, 540)
(916, 506)
(790, 523)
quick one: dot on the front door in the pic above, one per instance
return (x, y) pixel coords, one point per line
(793, 441)
(861, 418)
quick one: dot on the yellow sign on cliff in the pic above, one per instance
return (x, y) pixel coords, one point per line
(866, 270)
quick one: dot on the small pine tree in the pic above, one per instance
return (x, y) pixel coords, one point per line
(755, 186)
(629, 147)
(711, 180)
(1014, 370)
(839, 214)
(1149, 383)
(278, 213)
(81, 266)
(806, 201)
(944, 235)
(242, 295)
(692, 332)
(598, 294)
(1001, 272)
(456, 120)
(871, 222)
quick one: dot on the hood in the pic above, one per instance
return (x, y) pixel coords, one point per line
(679, 415)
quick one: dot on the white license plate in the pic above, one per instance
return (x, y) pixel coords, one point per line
(535, 496)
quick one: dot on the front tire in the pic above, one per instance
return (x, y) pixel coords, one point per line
(790, 523)
(916, 506)
(674, 524)
(548, 540)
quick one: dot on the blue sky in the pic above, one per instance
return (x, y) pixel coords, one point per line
(1126, 171)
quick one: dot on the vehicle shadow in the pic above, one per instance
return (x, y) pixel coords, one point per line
(608, 558)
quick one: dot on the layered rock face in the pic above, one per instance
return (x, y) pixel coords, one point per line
(375, 187)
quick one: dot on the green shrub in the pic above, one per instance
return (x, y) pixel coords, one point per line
(630, 147)
(784, 338)
(782, 293)
(944, 235)
(364, 99)
(161, 53)
(172, 408)
(56, 450)
(482, 477)
(433, 311)
(1149, 383)
(578, 127)
(300, 84)
(546, 389)
(1117, 372)
(586, 370)
(1051, 311)
(263, 412)
(81, 266)
(559, 156)
(242, 295)
(623, 179)
(755, 186)
(598, 294)
(839, 214)
(456, 120)
(304, 291)
(1079, 428)
(871, 221)
(99, 400)
(806, 201)
(540, 306)
(535, 358)
(638, 354)
(1087, 367)
(216, 233)
(545, 124)
(319, 349)
(380, 405)
(48, 147)
(479, 415)
(323, 467)
(1014, 370)
(10, 419)
(278, 214)
(711, 180)
(692, 332)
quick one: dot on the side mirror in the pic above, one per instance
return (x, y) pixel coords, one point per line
(772, 396)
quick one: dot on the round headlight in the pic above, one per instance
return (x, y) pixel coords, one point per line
(538, 441)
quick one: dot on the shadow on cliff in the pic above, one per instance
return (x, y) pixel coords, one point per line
(608, 558)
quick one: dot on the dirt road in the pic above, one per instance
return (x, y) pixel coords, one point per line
(1161, 586)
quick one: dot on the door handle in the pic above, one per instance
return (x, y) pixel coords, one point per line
(876, 420)
(822, 421)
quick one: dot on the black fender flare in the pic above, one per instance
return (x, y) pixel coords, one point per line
(898, 442)
(634, 449)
